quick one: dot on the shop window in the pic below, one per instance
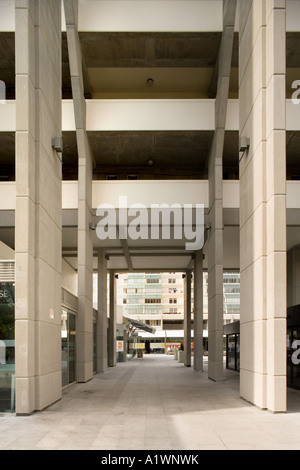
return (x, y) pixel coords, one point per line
(7, 347)
(68, 347)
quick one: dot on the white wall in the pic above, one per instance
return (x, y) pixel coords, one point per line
(148, 115)
(150, 15)
(7, 15)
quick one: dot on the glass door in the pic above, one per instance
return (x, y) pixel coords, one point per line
(231, 349)
(72, 347)
(7, 347)
(94, 347)
(68, 347)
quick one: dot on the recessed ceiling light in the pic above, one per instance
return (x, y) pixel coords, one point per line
(150, 82)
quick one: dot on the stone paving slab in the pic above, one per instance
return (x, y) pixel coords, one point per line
(153, 403)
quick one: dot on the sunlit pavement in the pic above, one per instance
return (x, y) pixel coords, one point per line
(154, 403)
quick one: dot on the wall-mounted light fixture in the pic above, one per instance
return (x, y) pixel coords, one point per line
(57, 144)
(244, 144)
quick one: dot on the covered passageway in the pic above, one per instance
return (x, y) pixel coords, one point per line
(147, 137)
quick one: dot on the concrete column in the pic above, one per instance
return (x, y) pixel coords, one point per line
(215, 172)
(187, 319)
(263, 203)
(38, 205)
(198, 311)
(102, 323)
(125, 346)
(293, 277)
(85, 177)
(112, 323)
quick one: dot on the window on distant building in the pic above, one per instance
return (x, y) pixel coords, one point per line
(153, 280)
(172, 290)
(172, 301)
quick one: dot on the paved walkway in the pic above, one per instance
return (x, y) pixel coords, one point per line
(153, 403)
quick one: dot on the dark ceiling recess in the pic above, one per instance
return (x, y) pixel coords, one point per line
(7, 63)
(172, 154)
(152, 155)
(140, 50)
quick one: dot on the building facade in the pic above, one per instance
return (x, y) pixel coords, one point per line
(112, 113)
(157, 299)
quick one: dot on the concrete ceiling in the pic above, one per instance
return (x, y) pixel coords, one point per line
(117, 65)
(149, 154)
(105, 51)
(180, 154)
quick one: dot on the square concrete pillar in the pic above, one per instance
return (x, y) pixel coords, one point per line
(102, 323)
(187, 318)
(112, 322)
(215, 175)
(38, 205)
(198, 311)
(263, 204)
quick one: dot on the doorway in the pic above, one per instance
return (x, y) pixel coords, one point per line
(68, 348)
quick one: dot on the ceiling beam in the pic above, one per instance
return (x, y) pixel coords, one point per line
(137, 255)
(79, 78)
(149, 248)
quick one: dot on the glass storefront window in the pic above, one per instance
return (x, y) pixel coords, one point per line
(68, 347)
(7, 347)
(94, 347)
(233, 352)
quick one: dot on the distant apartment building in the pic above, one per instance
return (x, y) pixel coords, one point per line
(157, 299)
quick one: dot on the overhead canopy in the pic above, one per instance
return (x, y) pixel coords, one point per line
(140, 326)
(173, 334)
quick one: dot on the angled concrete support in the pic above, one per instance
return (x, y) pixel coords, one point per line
(215, 171)
(85, 176)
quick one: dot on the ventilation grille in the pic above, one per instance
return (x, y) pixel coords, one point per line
(7, 271)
